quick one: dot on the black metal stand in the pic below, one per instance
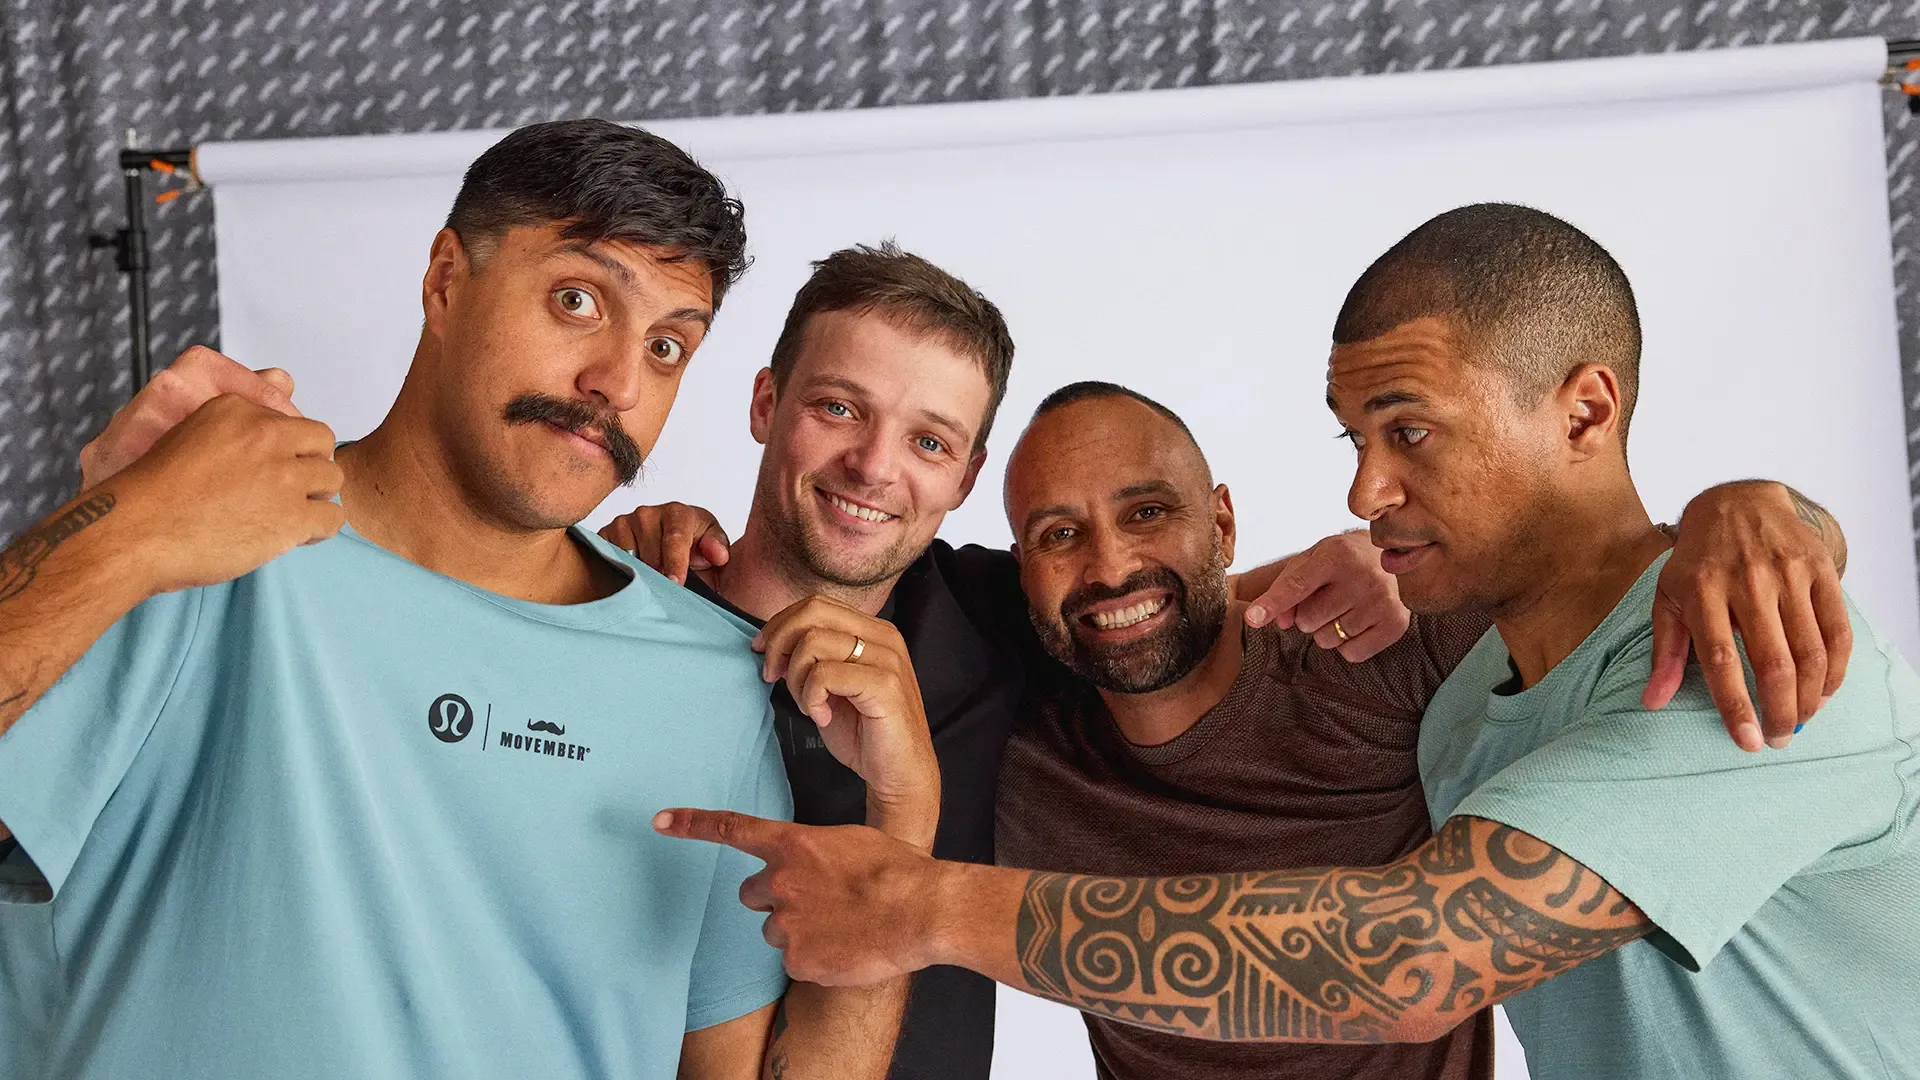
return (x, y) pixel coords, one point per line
(129, 245)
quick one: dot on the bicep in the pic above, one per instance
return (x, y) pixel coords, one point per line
(733, 1050)
(1509, 911)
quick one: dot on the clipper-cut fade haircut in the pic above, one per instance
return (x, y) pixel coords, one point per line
(916, 293)
(1530, 296)
(603, 181)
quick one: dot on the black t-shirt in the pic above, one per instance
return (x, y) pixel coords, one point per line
(964, 620)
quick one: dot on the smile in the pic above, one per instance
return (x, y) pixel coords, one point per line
(1127, 616)
(864, 513)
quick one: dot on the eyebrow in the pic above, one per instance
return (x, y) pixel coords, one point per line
(855, 388)
(1383, 400)
(1131, 491)
(624, 274)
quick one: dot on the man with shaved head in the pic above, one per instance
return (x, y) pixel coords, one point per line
(1587, 849)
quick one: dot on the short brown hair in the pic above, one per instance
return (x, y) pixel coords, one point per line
(916, 293)
(1533, 296)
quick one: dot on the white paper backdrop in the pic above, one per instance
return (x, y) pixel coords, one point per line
(1196, 244)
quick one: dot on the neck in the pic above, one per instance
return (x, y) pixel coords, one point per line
(1606, 545)
(1166, 714)
(402, 493)
(762, 578)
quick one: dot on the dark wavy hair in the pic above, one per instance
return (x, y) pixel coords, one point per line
(603, 181)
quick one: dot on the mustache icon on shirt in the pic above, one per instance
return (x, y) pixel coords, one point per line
(543, 725)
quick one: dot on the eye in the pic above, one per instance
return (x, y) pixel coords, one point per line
(667, 350)
(930, 444)
(577, 302)
(1060, 533)
(1411, 435)
(837, 408)
(1148, 513)
(1358, 440)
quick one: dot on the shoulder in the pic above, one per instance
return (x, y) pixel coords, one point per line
(984, 581)
(694, 618)
(1405, 675)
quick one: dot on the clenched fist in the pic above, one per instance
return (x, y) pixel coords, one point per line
(851, 673)
(232, 487)
(172, 395)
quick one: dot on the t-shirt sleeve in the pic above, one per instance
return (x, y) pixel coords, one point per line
(63, 759)
(1696, 832)
(735, 971)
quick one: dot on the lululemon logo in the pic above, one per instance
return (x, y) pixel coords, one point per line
(450, 718)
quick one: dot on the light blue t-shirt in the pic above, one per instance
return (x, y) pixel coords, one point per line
(346, 817)
(1785, 884)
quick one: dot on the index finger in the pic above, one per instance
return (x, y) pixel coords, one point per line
(759, 837)
(1302, 578)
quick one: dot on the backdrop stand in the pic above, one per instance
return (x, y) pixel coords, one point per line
(129, 243)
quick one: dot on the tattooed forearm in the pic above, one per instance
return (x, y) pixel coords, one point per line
(1395, 953)
(1821, 522)
(21, 560)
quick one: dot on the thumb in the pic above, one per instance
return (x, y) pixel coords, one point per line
(1299, 580)
(711, 549)
(756, 836)
(1670, 641)
(274, 390)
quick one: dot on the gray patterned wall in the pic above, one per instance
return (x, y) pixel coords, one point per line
(74, 77)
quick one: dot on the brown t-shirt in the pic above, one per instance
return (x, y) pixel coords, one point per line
(1308, 761)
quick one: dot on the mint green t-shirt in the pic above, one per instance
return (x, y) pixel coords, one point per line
(1785, 884)
(346, 817)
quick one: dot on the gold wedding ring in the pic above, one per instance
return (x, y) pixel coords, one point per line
(1337, 630)
(859, 646)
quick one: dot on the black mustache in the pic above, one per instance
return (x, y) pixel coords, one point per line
(1078, 601)
(546, 726)
(576, 416)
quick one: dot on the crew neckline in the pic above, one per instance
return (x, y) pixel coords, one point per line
(1256, 645)
(630, 599)
(1521, 706)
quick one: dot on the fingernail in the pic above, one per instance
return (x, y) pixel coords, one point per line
(1256, 615)
(1779, 742)
(1824, 700)
(1800, 727)
(1749, 738)
(663, 821)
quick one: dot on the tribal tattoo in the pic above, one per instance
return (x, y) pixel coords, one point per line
(1395, 953)
(21, 561)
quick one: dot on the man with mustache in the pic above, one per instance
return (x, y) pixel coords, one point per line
(375, 804)
(1590, 851)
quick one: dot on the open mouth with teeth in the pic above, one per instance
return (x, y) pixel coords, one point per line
(855, 510)
(1119, 618)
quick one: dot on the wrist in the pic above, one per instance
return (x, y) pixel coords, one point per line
(132, 550)
(912, 822)
(946, 935)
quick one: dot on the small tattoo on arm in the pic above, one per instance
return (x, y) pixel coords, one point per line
(21, 561)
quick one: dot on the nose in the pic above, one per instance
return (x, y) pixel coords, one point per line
(1113, 558)
(1376, 490)
(873, 459)
(612, 376)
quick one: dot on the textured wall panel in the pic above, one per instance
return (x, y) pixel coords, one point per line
(75, 77)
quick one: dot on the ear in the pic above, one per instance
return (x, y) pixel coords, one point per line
(448, 265)
(1223, 521)
(978, 459)
(1590, 399)
(760, 413)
